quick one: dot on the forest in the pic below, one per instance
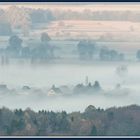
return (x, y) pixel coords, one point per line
(93, 121)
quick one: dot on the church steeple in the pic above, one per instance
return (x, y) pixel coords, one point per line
(86, 81)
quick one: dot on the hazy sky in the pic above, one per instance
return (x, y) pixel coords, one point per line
(78, 6)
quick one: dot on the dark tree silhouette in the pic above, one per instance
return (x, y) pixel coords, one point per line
(15, 42)
(82, 49)
(45, 37)
(86, 49)
(15, 46)
(138, 55)
(93, 131)
(97, 86)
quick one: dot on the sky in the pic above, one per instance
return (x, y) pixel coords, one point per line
(77, 6)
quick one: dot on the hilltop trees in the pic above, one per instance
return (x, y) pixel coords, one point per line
(92, 122)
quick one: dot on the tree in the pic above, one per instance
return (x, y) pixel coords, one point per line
(113, 55)
(121, 56)
(97, 86)
(15, 45)
(41, 16)
(82, 49)
(104, 54)
(91, 48)
(138, 55)
(45, 37)
(63, 122)
(90, 108)
(19, 112)
(25, 52)
(86, 49)
(15, 42)
(93, 131)
(46, 45)
(80, 88)
(42, 52)
(18, 18)
(110, 115)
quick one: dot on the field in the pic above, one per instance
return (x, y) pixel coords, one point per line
(122, 36)
(119, 35)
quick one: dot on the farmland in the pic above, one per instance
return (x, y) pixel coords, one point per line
(119, 35)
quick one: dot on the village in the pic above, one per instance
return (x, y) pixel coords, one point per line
(86, 88)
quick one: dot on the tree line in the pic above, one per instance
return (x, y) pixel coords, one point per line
(86, 50)
(25, 18)
(121, 121)
(15, 49)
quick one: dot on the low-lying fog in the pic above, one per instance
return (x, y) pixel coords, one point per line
(43, 77)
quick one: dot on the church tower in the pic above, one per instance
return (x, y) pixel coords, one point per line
(86, 81)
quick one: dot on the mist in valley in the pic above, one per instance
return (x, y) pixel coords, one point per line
(40, 80)
(48, 53)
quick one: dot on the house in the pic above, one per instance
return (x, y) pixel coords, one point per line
(54, 91)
